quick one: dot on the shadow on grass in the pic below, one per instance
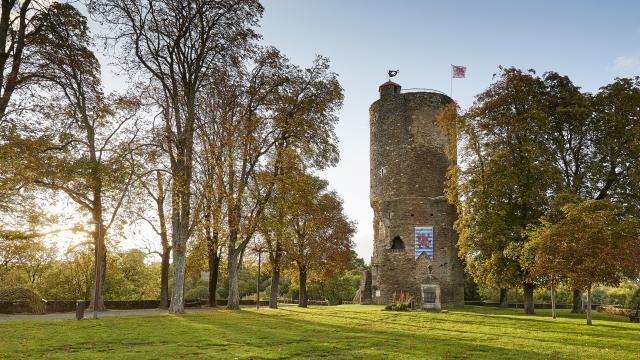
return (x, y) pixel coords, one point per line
(295, 337)
(336, 332)
(547, 330)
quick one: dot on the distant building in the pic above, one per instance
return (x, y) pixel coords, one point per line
(414, 240)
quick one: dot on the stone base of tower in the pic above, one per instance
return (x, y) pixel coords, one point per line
(398, 272)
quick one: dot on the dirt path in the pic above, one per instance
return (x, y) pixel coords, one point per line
(88, 315)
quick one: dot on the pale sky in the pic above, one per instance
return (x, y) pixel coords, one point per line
(590, 41)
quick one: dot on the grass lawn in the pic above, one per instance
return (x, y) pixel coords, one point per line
(349, 332)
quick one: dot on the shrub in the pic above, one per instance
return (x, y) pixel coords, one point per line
(197, 293)
(618, 296)
(633, 299)
(403, 302)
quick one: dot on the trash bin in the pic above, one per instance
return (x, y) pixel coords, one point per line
(80, 306)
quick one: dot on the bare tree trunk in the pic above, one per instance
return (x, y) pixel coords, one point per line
(164, 278)
(214, 266)
(504, 298)
(274, 258)
(164, 239)
(553, 302)
(528, 299)
(589, 322)
(302, 279)
(233, 300)
(179, 260)
(578, 304)
(275, 287)
(100, 257)
(181, 211)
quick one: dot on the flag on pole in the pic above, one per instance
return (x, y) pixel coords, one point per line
(458, 71)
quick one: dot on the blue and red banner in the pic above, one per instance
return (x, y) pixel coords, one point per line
(424, 241)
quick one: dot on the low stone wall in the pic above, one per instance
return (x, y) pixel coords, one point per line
(15, 307)
(55, 306)
(223, 302)
(309, 302)
(521, 305)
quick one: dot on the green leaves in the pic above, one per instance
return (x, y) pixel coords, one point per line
(595, 243)
(530, 146)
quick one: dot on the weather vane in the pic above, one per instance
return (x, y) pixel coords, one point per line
(392, 73)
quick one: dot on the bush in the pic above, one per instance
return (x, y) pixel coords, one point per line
(471, 291)
(196, 293)
(403, 302)
(618, 296)
(633, 300)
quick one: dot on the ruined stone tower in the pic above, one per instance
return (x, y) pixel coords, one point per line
(414, 239)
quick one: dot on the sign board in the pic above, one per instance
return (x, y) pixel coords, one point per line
(377, 293)
(424, 241)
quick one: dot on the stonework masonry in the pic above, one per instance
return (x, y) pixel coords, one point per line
(408, 173)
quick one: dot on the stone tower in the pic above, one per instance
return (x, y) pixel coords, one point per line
(414, 239)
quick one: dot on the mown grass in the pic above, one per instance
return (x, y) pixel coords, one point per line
(342, 332)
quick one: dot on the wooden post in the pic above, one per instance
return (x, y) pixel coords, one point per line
(258, 282)
(589, 322)
(553, 302)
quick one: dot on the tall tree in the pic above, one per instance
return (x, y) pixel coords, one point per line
(321, 246)
(594, 142)
(89, 154)
(595, 243)
(18, 26)
(288, 108)
(210, 177)
(156, 184)
(275, 229)
(615, 170)
(266, 107)
(20, 48)
(505, 181)
(179, 45)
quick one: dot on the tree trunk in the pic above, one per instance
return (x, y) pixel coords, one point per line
(274, 259)
(589, 306)
(181, 210)
(179, 261)
(233, 300)
(302, 279)
(100, 254)
(275, 287)
(164, 239)
(504, 299)
(578, 304)
(164, 278)
(214, 265)
(528, 299)
(553, 302)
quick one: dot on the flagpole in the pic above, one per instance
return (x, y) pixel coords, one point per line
(451, 88)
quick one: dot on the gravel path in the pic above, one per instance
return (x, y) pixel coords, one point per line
(88, 314)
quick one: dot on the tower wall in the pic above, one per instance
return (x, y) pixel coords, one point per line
(408, 173)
